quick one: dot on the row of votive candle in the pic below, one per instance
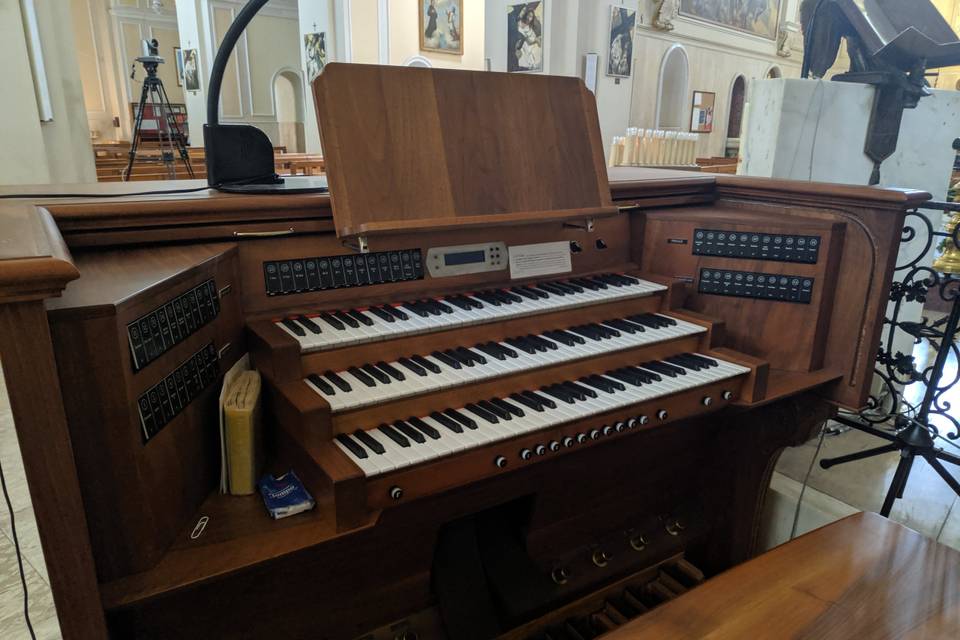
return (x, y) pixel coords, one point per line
(652, 147)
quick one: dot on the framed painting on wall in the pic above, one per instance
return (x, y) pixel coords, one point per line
(191, 70)
(701, 119)
(315, 53)
(620, 47)
(525, 36)
(441, 26)
(178, 54)
(759, 17)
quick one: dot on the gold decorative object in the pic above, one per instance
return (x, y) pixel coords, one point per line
(949, 260)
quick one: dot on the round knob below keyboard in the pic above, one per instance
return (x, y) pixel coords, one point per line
(662, 415)
(526, 454)
(500, 462)
(540, 449)
(568, 441)
(554, 446)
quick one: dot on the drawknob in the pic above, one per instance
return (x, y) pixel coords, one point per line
(499, 462)
(525, 454)
(727, 395)
(568, 441)
(560, 575)
(643, 420)
(674, 528)
(600, 558)
(554, 446)
(707, 401)
(594, 434)
(638, 543)
(396, 492)
(581, 438)
(601, 244)
(662, 414)
(540, 449)
(607, 430)
(621, 426)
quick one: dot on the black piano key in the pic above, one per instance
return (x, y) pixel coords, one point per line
(430, 307)
(624, 376)
(362, 377)
(391, 371)
(684, 361)
(616, 386)
(507, 351)
(346, 319)
(489, 299)
(426, 364)
(596, 384)
(550, 288)
(585, 332)
(490, 407)
(409, 431)
(559, 336)
(575, 392)
(352, 445)
(413, 307)
(413, 366)
(521, 291)
(645, 375)
(586, 284)
(396, 313)
(527, 402)
(333, 322)
(383, 315)
(566, 288)
(570, 284)
(558, 393)
(309, 324)
(453, 363)
(342, 384)
(443, 306)
(460, 303)
(513, 297)
(636, 326)
(628, 279)
(293, 326)
(446, 421)
(661, 368)
(490, 351)
(522, 346)
(597, 282)
(360, 317)
(459, 357)
(477, 358)
(533, 344)
(508, 406)
(549, 344)
(424, 428)
(376, 373)
(321, 384)
(709, 362)
(483, 414)
(369, 442)
(582, 389)
(394, 435)
(540, 399)
(466, 421)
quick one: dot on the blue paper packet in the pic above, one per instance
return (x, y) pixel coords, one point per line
(285, 495)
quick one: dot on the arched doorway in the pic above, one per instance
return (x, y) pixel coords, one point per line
(288, 105)
(738, 96)
(774, 72)
(672, 107)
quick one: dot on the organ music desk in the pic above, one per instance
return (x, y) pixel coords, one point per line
(510, 379)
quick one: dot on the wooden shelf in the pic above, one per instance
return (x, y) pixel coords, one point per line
(240, 534)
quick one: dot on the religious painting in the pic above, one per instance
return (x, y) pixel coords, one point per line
(620, 48)
(701, 118)
(525, 36)
(315, 49)
(178, 55)
(191, 70)
(441, 26)
(760, 17)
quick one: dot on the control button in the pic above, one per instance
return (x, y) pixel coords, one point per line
(396, 492)
(526, 454)
(568, 441)
(662, 415)
(560, 575)
(594, 434)
(643, 420)
(554, 446)
(540, 449)
(500, 462)
(581, 438)
(601, 244)
(607, 430)
(575, 246)
(600, 558)
(727, 395)
(707, 401)
(638, 543)
(621, 426)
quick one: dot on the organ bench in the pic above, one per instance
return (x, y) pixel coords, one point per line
(509, 383)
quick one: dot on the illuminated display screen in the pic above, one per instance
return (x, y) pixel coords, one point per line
(466, 257)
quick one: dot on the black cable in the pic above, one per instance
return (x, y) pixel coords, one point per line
(104, 195)
(16, 545)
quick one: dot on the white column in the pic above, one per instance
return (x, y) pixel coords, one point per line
(190, 25)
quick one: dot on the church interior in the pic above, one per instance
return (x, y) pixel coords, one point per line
(462, 319)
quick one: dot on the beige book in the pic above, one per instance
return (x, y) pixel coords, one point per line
(243, 439)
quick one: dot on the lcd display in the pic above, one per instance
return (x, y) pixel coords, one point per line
(466, 257)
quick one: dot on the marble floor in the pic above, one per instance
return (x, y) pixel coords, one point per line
(928, 507)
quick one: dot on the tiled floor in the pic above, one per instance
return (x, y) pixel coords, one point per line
(928, 506)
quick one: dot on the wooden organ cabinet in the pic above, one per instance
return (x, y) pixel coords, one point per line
(530, 399)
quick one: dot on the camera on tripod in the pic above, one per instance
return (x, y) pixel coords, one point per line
(150, 50)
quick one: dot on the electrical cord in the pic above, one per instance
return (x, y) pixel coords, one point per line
(160, 192)
(16, 545)
(806, 480)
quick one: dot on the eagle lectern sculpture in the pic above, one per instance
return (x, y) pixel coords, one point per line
(891, 44)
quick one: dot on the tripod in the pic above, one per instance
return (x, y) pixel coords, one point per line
(170, 135)
(913, 436)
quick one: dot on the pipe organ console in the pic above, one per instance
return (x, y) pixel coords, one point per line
(531, 398)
